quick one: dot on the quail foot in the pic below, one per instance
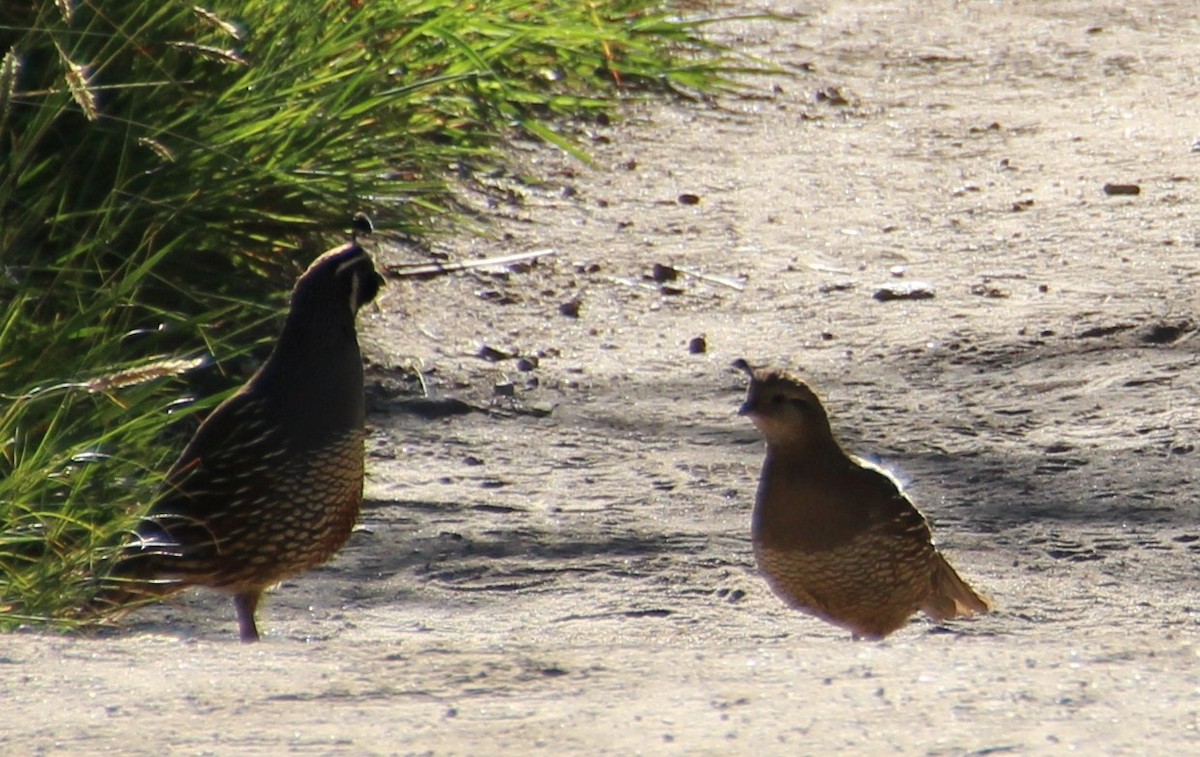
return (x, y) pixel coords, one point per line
(271, 483)
(834, 536)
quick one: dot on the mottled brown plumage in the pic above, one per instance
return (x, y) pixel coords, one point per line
(835, 537)
(271, 483)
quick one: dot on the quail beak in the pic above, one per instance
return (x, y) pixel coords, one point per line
(747, 407)
(750, 406)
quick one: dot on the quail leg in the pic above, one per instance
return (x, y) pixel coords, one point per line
(246, 603)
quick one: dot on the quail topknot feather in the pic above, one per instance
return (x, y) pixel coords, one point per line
(836, 537)
(271, 483)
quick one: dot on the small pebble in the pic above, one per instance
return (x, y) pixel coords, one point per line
(913, 290)
(661, 273)
(831, 96)
(698, 345)
(504, 389)
(492, 354)
(1122, 189)
(570, 308)
(985, 290)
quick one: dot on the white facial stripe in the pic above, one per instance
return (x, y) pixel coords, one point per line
(355, 285)
(348, 262)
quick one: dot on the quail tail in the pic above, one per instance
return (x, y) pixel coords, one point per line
(952, 597)
(118, 597)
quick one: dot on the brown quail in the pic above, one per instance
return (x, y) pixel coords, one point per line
(834, 536)
(271, 483)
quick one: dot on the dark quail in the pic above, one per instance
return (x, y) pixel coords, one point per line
(270, 485)
(834, 536)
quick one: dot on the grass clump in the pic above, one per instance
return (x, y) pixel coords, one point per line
(165, 166)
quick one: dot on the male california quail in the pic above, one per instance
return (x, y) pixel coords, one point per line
(834, 536)
(271, 483)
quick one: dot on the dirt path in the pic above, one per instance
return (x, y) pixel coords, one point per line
(568, 570)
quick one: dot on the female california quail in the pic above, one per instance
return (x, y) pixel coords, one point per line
(834, 536)
(271, 483)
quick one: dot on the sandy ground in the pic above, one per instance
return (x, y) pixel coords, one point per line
(568, 570)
